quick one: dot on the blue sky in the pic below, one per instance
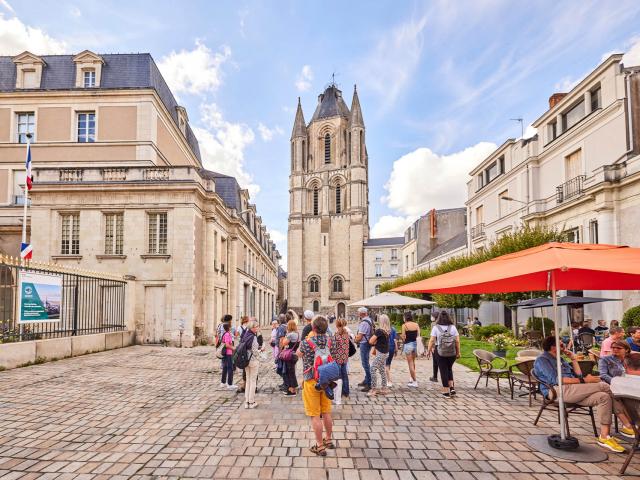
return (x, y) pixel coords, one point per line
(438, 81)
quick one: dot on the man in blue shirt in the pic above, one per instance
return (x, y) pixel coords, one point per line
(587, 391)
(365, 330)
(634, 339)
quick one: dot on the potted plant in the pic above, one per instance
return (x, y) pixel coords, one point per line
(500, 343)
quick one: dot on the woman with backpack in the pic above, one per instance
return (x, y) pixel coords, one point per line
(444, 344)
(380, 342)
(290, 344)
(250, 341)
(342, 340)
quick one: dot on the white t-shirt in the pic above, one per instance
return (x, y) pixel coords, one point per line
(437, 330)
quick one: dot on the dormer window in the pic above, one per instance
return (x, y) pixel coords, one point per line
(89, 77)
(28, 70)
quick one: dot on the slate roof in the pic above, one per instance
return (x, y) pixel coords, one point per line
(226, 186)
(120, 71)
(331, 104)
(381, 242)
(453, 243)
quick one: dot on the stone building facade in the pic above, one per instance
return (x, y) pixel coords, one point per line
(119, 187)
(382, 262)
(579, 174)
(329, 206)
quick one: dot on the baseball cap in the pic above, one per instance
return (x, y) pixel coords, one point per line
(308, 314)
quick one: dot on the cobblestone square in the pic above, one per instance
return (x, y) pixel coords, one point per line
(153, 412)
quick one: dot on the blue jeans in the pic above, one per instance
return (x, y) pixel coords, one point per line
(344, 376)
(227, 369)
(365, 350)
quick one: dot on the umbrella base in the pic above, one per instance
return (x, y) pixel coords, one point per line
(583, 453)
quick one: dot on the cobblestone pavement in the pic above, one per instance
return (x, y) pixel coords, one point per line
(154, 412)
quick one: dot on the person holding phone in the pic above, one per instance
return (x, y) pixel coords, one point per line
(585, 390)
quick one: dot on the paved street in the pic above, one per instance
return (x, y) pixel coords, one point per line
(151, 412)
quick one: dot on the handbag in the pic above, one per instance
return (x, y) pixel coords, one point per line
(352, 348)
(289, 354)
(220, 351)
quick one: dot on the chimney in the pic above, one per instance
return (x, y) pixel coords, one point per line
(433, 229)
(555, 99)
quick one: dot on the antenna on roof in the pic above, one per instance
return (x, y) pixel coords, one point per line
(521, 121)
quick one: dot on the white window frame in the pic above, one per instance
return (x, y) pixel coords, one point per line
(70, 231)
(155, 233)
(30, 122)
(114, 233)
(85, 136)
(89, 74)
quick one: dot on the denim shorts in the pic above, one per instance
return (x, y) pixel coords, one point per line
(410, 348)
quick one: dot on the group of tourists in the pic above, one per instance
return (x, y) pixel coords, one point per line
(325, 345)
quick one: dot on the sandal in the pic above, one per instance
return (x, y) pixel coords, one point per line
(319, 450)
(328, 444)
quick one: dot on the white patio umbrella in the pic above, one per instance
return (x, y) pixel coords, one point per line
(391, 299)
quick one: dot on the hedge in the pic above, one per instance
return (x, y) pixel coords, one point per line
(631, 317)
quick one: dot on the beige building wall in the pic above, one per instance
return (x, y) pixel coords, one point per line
(382, 263)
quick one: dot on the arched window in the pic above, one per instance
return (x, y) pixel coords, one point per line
(338, 199)
(304, 154)
(361, 147)
(377, 289)
(316, 306)
(314, 285)
(316, 201)
(327, 148)
(337, 285)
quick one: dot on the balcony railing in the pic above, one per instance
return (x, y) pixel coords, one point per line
(477, 231)
(114, 174)
(156, 174)
(570, 189)
(19, 200)
(71, 174)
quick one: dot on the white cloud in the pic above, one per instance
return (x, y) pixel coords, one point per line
(194, 71)
(16, 37)
(267, 133)
(222, 146)
(303, 82)
(530, 131)
(277, 236)
(632, 57)
(422, 180)
(75, 12)
(391, 226)
(392, 63)
(4, 4)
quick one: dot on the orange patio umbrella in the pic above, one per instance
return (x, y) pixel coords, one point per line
(552, 266)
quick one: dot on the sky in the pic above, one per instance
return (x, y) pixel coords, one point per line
(439, 82)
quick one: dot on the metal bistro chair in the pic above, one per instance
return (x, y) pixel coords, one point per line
(521, 374)
(632, 406)
(527, 354)
(552, 402)
(485, 364)
(586, 341)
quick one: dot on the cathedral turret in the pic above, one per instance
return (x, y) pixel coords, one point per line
(357, 147)
(299, 141)
(356, 113)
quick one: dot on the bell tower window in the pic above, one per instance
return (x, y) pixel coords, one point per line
(316, 205)
(327, 148)
(338, 204)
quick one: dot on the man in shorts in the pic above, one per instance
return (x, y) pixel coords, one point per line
(316, 404)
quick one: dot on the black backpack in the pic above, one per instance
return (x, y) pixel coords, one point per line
(242, 355)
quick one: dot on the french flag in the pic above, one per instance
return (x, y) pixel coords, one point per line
(29, 174)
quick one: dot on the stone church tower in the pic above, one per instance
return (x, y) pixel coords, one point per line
(329, 206)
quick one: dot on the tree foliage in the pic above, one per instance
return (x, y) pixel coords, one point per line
(521, 239)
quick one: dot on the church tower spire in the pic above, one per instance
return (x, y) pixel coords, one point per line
(299, 141)
(299, 125)
(356, 113)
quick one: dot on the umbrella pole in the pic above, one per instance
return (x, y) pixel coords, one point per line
(554, 293)
(542, 317)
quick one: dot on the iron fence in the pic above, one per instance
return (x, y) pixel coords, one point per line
(570, 189)
(89, 304)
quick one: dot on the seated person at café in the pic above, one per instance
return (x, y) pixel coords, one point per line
(587, 391)
(615, 334)
(629, 383)
(586, 328)
(612, 365)
(602, 328)
(634, 338)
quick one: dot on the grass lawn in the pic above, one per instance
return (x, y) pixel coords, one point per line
(468, 345)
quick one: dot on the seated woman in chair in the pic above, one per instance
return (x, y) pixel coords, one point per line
(612, 365)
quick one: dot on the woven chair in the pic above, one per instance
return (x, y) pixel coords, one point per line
(521, 375)
(488, 370)
(569, 408)
(586, 341)
(632, 406)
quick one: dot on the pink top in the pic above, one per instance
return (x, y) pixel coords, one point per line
(226, 338)
(605, 348)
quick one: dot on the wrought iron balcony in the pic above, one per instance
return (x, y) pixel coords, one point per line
(570, 189)
(477, 231)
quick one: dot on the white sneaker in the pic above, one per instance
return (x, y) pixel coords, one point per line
(232, 387)
(389, 384)
(223, 385)
(253, 405)
(337, 402)
(413, 384)
(246, 405)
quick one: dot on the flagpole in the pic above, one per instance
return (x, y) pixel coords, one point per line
(26, 195)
